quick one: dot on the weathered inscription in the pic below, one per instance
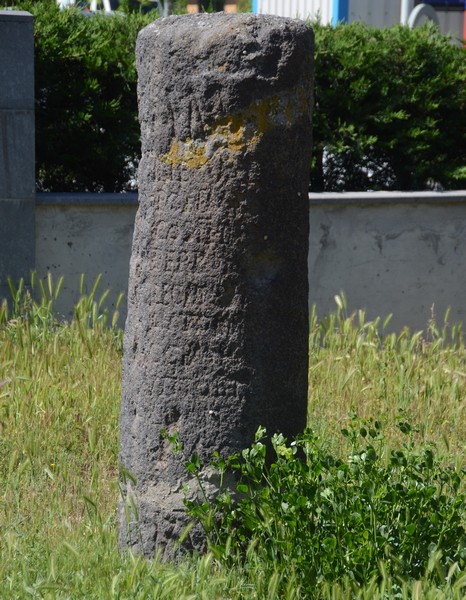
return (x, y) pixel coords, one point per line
(216, 339)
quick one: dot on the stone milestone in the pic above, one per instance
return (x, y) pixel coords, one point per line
(216, 339)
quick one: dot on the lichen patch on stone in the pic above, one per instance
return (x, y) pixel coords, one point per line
(238, 132)
(188, 152)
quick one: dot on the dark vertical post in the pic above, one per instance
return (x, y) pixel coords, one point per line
(216, 339)
(17, 172)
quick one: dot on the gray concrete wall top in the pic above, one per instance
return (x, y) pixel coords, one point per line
(86, 199)
(360, 198)
(317, 199)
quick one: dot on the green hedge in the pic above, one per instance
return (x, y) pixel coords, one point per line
(389, 114)
(390, 109)
(87, 133)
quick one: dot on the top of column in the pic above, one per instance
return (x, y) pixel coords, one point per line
(198, 68)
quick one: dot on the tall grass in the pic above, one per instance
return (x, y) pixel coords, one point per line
(356, 367)
(59, 408)
(60, 385)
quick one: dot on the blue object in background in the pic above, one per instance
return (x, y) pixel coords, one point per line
(340, 12)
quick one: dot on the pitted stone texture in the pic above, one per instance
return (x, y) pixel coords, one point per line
(216, 339)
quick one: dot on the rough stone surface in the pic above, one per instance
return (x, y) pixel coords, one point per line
(216, 339)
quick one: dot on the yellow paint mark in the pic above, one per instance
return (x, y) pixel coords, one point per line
(289, 112)
(236, 133)
(187, 152)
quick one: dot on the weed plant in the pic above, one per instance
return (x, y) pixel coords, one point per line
(306, 516)
(60, 386)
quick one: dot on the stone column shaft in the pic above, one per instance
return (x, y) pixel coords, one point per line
(216, 339)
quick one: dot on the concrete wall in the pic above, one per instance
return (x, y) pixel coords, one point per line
(396, 253)
(86, 234)
(390, 252)
(17, 176)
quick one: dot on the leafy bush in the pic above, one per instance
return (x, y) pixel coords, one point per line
(316, 518)
(389, 109)
(87, 133)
